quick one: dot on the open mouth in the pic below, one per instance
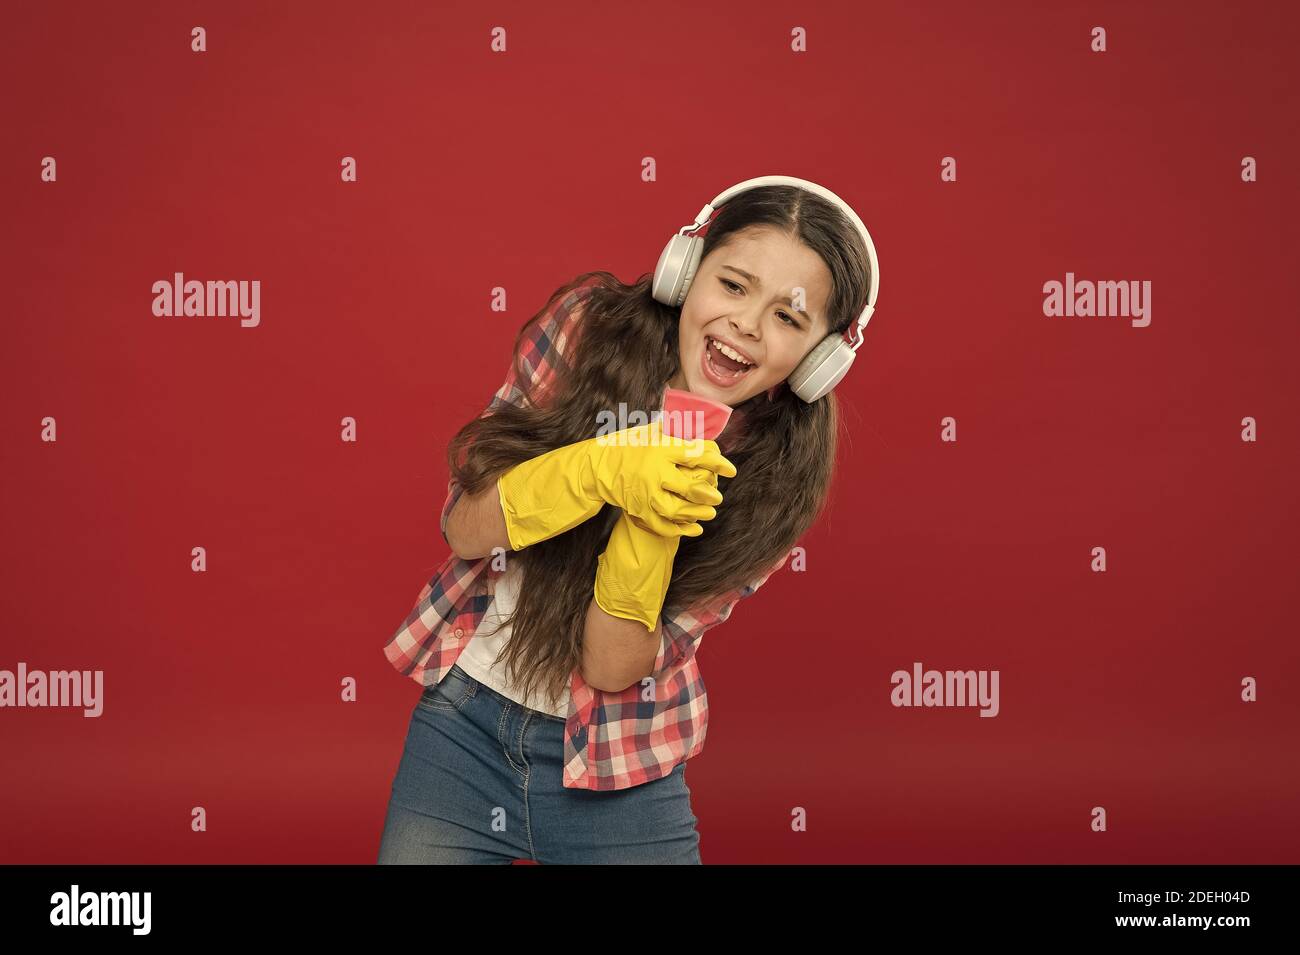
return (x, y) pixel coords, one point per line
(725, 369)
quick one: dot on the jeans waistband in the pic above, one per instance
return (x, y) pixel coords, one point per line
(502, 698)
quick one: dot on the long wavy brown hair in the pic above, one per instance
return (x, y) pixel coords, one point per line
(783, 449)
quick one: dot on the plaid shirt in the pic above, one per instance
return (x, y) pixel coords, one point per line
(611, 740)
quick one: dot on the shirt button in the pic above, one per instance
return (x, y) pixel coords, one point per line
(460, 632)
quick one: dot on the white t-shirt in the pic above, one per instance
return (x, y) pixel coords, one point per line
(478, 656)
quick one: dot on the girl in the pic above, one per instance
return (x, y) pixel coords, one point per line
(563, 695)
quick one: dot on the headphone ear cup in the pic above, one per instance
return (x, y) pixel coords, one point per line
(695, 248)
(822, 369)
(677, 265)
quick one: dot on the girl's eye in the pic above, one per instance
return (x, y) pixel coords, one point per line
(784, 317)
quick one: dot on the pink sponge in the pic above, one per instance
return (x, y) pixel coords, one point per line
(686, 415)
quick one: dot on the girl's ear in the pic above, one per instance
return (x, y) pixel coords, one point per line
(771, 392)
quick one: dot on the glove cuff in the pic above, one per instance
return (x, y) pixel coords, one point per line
(540, 498)
(633, 574)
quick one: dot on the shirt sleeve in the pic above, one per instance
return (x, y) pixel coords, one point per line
(536, 361)
(682, 631)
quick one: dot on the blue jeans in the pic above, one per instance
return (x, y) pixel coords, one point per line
(480, 781)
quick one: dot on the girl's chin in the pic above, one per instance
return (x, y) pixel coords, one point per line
(731, 397)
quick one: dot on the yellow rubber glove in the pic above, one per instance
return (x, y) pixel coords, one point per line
(633, 573)
(669, 484)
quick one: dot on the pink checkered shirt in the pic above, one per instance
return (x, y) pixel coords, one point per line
(611, 740)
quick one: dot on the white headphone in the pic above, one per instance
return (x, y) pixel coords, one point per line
(829, 361)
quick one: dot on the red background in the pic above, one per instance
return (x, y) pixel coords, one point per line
(1118, 689)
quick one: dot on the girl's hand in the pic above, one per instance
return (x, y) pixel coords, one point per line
(665, 485)
(694, 474)
(669, 484)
